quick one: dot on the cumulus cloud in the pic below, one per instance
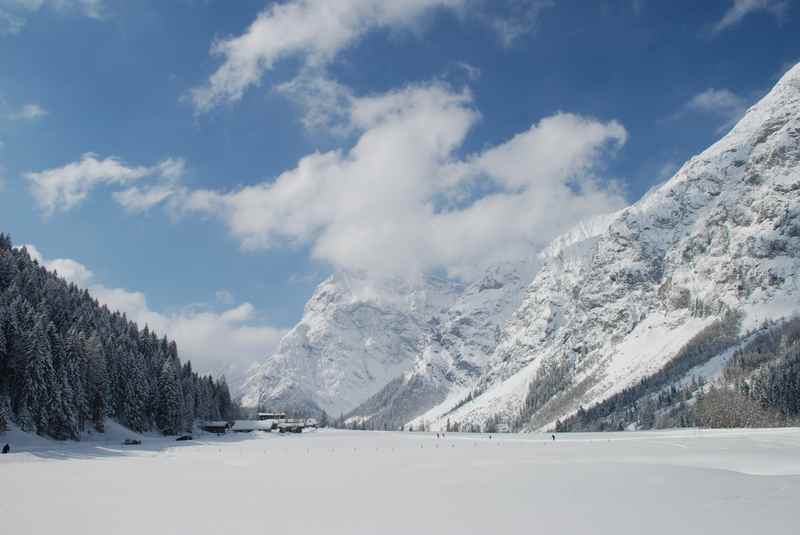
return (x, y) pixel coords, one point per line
(215, 341)
(315, 30)
(399, 201)
(741, 8)
(63, 188)
(722, 103)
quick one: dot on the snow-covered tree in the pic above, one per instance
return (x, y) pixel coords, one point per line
(67, 362)
(169, 415)
(97, 384)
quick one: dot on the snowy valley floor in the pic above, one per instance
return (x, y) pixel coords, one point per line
(339, 482)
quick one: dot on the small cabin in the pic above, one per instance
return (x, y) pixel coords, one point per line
(215, 427)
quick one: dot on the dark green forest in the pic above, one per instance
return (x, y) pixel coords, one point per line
(67, 362)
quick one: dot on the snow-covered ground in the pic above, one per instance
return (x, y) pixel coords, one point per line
(740, 481)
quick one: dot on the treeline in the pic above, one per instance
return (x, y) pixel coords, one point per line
(553, 378)
(640, 404)
(763, 378)
(758, 387)
(67, 363)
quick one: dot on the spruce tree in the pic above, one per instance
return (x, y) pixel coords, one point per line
(5, 412)
(169, 415)
(97, 383)
(42, 395)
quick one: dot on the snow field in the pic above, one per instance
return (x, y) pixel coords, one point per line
(349, 482)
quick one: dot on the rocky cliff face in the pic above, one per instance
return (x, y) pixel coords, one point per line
(457, 344)
(723, 233)
(356, 335)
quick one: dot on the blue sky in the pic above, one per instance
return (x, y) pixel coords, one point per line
(141, 142)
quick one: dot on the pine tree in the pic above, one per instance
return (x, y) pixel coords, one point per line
(136, 389)
(223, 400)
(63, 416)
(169, 415)
(97, 383)
(189, 402)
(5, 412)
(42, 395)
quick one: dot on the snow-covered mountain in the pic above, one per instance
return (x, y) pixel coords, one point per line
(723, 233)
(390, 350)
(457, 345)
(604, 305)
(356, 335)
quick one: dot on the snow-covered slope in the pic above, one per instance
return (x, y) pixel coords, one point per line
(356, 335)
(458, 343)
(459, 351)
(723, 233)
(389, 351)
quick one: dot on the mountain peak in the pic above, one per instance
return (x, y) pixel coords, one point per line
(782, 101)
(792, 76)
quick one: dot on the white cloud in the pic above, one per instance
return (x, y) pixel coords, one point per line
(137, 200)
(741, 8)
(399, 201)
(95, 9)
(171, 168)
(522, 19)
(314, 30)
(232, 339)
(325, 102)
(29, 112)
(317, 31)
(716, 100)
(68, 269)
(71, 270)
(723, 103)
(65, 187)
(472, 72)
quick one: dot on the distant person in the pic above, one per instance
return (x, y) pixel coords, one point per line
(554, 437)
(6, 449)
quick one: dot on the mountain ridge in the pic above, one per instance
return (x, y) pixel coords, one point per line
(721, 234)
(603, 305)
